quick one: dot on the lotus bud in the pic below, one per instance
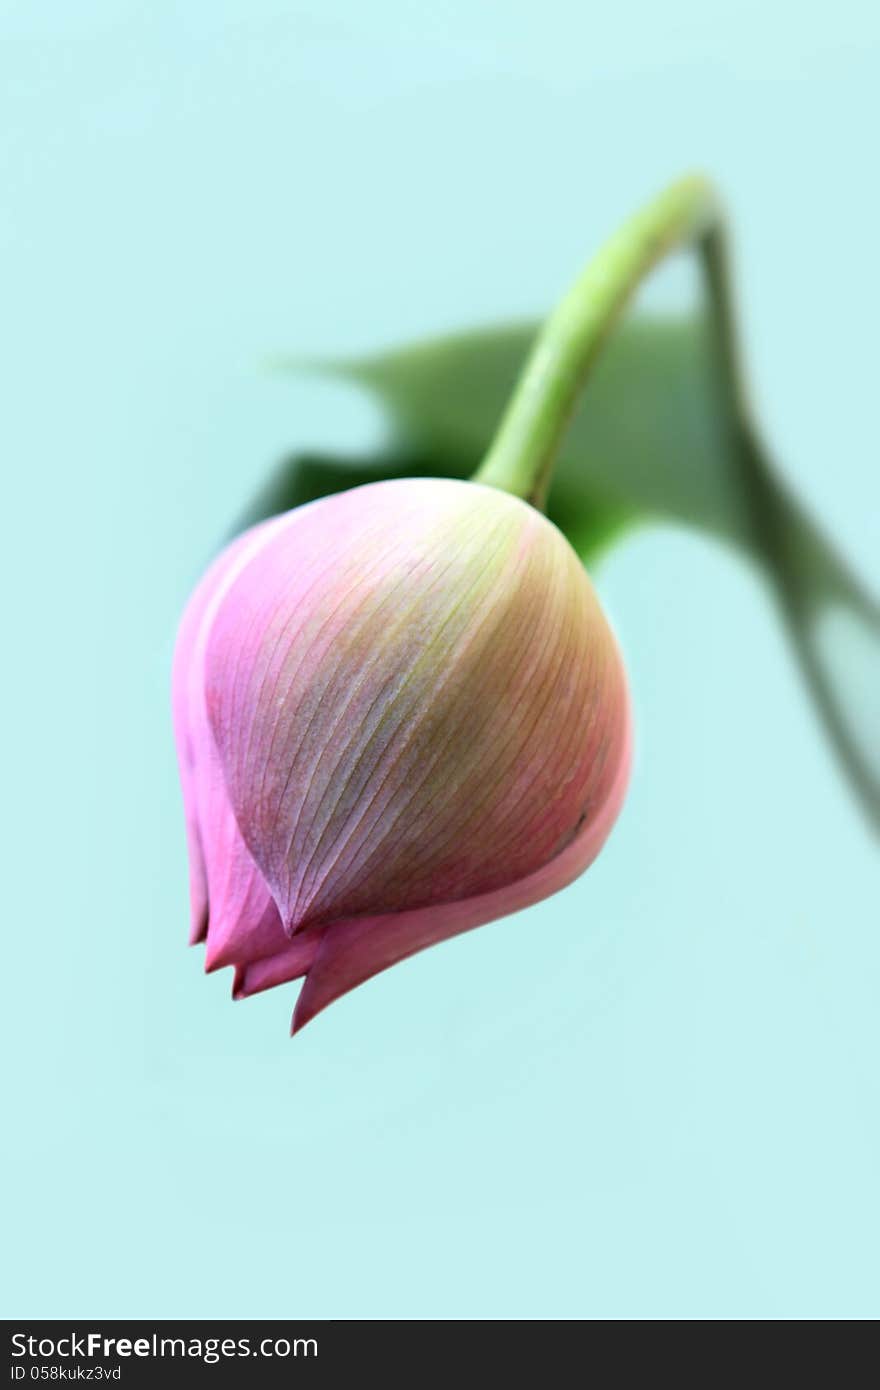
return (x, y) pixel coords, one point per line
(399, 713)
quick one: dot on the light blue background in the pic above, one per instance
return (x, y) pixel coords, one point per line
(654, 1096)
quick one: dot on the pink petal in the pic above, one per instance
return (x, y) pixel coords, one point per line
(180, 710)
(290, 963)
(351, 952)
(228, 897)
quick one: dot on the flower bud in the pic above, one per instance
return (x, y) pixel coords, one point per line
(400, 713)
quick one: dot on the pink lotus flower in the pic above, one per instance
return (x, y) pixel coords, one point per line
(400, 713)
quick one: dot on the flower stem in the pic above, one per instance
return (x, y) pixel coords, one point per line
(521, 457)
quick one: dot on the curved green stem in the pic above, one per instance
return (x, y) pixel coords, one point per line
(810, 580)
(521, 457)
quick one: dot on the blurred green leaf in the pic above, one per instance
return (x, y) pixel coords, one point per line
(651, 440)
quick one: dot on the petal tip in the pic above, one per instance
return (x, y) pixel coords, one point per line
(214, 958)
(301, 1014)
(198, 930)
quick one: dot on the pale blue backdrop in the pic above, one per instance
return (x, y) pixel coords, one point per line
(654, 1096)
